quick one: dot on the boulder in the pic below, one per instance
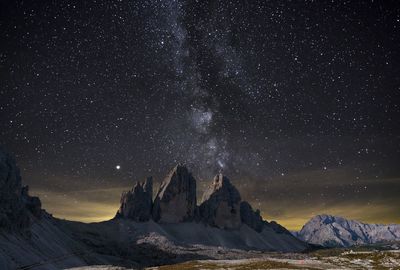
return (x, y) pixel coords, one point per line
(250, 217)
(176, 198)
(136, 204)
(220, 205)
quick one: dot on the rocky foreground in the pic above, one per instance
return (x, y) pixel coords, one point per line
(325, 259)
(373, 257)
(172, 228)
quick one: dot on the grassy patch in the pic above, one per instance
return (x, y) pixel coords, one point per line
(377, 258)
(329, 252)
(264, 264)
(341, 258)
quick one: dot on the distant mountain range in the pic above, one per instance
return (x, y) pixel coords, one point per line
(145, 232)
(333, 231)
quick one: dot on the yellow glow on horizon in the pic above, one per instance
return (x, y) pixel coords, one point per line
(372, 213)
(83, 206)
(102, 204)
(87, 212)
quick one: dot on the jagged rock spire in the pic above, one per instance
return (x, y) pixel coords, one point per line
(221, 204)
(136, 204)
(176, 198)
(176, 202)
(16, 206)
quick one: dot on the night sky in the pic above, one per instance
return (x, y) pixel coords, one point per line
(298, 102)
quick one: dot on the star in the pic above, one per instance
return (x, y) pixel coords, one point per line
(277, 96)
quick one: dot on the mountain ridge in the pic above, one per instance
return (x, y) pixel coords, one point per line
(144, 232)
(335, 231)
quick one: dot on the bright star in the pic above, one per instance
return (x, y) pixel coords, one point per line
(118, 167)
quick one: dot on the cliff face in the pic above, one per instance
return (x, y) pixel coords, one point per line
(250, 217)
(332, 231)
(176, 198)
(17, 208)
(221, 204)
(175, 202)
(136, 204)
(143, 231)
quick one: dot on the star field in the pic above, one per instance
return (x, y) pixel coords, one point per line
(297, 102)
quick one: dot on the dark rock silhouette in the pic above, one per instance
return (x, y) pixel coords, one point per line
(136, 204)
(277, 227)
(33, 204)
(176, 198)
(16, 206)
(29, 237)
(176, 202)
(220, 205)
(250, 217)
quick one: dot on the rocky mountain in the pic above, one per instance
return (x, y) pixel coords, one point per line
(17, 207)
(136, 204)
(145, 232)
(176, 198)
(250, 217)
(220, 205)
(176, 202)
(332, 231)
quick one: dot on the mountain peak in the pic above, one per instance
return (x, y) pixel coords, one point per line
(136, 203)
(220, 180)
(221, 204)
(176, 202)
(176, 198)
(323, 218)
(17, 207)
(330, 231)
(180, 167)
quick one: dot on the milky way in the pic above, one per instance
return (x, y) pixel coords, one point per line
(298, 103)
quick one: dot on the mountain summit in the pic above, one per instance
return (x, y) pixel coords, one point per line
(17, 207)
(176, 198)
(333, 231)
(220, 205)
(175, 202)
(136, 204)
(145, 232)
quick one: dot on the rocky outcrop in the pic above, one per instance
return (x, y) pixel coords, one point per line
(33, 204)
(332, 231)
(220, 205)
(136, 204)
(250, 217)
(176, 202)
(16, 206)
(176, 198)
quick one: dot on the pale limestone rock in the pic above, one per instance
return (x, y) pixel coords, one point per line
(332, 231)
